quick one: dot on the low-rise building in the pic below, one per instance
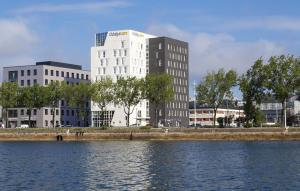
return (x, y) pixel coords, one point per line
(204, 116)
(43, 73)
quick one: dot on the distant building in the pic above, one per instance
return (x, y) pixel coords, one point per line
(272, 109)
(43, 73)
(203, 115)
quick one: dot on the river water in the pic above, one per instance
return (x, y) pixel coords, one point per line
(150, 165)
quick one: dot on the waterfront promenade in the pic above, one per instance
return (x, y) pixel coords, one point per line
(94, 134)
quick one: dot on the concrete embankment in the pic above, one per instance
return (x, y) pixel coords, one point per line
(172, 134)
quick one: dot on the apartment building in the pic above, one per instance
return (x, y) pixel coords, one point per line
(167, 55)
(43, 73)
(118, 54)
(128, 53)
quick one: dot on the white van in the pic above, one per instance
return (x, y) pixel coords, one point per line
(23, 126)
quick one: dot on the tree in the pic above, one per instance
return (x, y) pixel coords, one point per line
(128, 93)
(79, 96)
(283, 74)
(214, 88)
(54, 94)
(158, 90)
(103, 94)
(8, 97)
(32, 97)
(252, 85)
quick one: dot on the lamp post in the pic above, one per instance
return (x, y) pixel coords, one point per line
(195, 118)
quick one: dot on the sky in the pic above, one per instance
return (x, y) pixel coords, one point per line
(228, 34)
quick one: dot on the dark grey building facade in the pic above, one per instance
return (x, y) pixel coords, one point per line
(167, 55)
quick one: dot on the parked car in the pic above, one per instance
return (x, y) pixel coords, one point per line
(23, 126)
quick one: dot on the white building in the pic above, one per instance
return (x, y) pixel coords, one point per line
(117, 54)
(205, 116)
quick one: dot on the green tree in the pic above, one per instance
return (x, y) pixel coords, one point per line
(54, 94)
(78, 97)
(215, 88)
(128, 93)
(158, 89)
(32, 97)
(103, 94)
(252, 85)
(283, 74)
(8, 97)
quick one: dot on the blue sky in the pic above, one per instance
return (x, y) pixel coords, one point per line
(221, 33)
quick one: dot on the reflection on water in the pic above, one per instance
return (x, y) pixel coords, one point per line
(152, 165)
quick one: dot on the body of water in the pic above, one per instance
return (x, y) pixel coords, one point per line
(150, 165)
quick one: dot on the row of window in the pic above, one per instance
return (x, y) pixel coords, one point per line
(218, 112)
(29, 72)
(179, 81)
(68, 74)
(177, 57)
(179, 65)
(179, 89)
(22, 82)
(175, 48)
(180, 97)
(177, 113)
(177, 105)
(175, 72)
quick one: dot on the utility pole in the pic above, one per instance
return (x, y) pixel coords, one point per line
(195, 118)
(284, 113)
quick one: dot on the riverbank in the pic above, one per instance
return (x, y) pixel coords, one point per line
(94, 134)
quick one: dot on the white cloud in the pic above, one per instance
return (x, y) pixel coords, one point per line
(82, 7)
(16, 44)
(213, 51)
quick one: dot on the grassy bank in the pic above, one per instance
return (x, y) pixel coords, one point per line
(91, 134)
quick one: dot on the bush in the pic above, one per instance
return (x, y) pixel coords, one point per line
(147, 127)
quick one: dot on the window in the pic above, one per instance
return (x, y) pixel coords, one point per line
(56, 112)
(160, 46)
(117, 61)
(28, 72)
(122, 44)
(62, 74)
(22, 111)
(77, 76)
(46, 123)
(46, 81)
(115, 53)
(120, 52)
(62, 102)
(34, 81)
(28, 82)
(103, 54)
(72, 112)
(35, 72)
(68, 74)
(82, 76)
(22, 72)
(22, 82)
(156, 54)
(62, 112)
(51, 72)
(68, 112)
(46, 111)
(46, 72)
(125, 69)
(73, 75)
(159, 62)
(87, 77)
(115, 70)
(34, 112)
(125, 52)
(57, 73)
(103, 70)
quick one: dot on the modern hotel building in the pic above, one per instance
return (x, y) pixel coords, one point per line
(128, 53)
(43, 73)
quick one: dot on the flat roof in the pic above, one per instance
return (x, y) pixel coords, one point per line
(60, 64)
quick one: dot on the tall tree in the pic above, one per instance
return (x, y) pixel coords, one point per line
(252, 85)
(215, 87)
(128, 93)
(8, 97)
(283, 74)
(103, 94)
(32, 97)
(78, 97)
(54, 94)
(158, 90)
